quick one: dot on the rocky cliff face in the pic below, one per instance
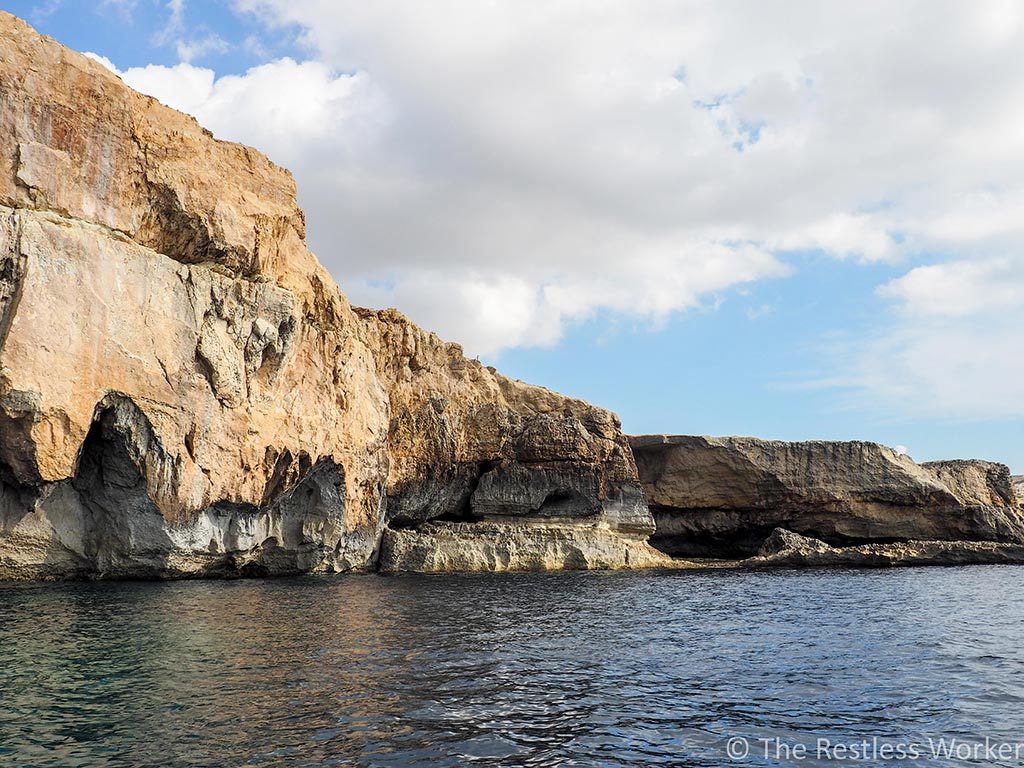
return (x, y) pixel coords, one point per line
(976, 483)
(468, 444)
(724, 496)
(184, 390)
(485, 460)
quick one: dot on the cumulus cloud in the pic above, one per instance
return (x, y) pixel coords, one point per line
(499, 170)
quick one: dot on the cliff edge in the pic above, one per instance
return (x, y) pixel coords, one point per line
(185, 391)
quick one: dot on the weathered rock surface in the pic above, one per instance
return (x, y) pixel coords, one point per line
(787, 549)
(469, 444)
(976, 482)
(439, 547)
(724, 496)
(185, 391)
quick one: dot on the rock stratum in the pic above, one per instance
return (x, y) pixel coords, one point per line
(785, 549)
(724, 496)
(184, 391)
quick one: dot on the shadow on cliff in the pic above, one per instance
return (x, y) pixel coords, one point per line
(114, 518)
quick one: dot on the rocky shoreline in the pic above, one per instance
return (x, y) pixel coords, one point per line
(787, 549)
(185, 392)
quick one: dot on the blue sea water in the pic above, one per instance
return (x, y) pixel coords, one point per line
(609, 669)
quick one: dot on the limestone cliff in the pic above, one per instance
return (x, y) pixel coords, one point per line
(470, 444)
(184, 389)
(724, 496)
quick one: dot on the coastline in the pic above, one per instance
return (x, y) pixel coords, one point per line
(185, 392)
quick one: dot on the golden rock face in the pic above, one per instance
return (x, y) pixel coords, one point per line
(183, 387)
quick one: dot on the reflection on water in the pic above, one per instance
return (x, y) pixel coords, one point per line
(608, 669)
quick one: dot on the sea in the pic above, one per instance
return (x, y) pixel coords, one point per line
(916, 666)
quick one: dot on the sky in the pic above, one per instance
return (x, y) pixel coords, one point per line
(794, 220)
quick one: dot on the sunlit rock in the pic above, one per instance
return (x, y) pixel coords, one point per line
(185, 391)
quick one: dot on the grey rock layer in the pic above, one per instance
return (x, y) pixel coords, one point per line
(785, 549)
(723, 497)
(442, 547)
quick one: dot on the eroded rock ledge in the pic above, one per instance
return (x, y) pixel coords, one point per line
(443, 547)
(724, 496)
(785, 549)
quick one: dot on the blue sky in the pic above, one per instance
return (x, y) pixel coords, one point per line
(777, 223)
(130, 32)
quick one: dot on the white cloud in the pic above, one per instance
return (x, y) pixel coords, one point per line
(954, 347)
(43, 10)
(184, 86)
(175, 24)
(865, 236)
(102, 60)
(254, 46)
(961, 288)
(189, 44)
(498, 170)
(198, 47)
(285, 108)
(946, 370)
(124, 8)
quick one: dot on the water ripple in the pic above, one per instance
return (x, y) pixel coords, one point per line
(532, 670)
